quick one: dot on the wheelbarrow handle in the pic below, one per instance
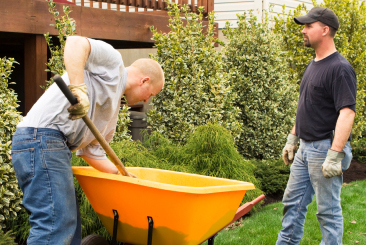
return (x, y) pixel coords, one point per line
(71, 98)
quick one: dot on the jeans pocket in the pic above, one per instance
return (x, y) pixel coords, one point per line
(54, 144)
(321, 145)
(23, 162)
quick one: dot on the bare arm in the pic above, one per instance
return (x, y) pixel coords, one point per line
(343, 129)
(103, 165)
(293, 130)
(77, 50)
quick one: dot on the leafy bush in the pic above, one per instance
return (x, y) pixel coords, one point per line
(359, 150)
(349, 41)
(266, 96)
(10, 194)
(65, 26)
(298, 56)
(197, 89)
(273, 176)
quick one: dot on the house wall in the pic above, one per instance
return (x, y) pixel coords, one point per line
(226, 10)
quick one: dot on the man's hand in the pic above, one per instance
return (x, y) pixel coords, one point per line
(81, 108)
(290, 149)
(332, 165)
(128, 174)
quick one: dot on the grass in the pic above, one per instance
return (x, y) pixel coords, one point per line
(263, 227)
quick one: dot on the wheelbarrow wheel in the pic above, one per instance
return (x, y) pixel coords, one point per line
(94, 239)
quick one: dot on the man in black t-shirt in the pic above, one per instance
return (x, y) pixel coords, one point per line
(324, 120)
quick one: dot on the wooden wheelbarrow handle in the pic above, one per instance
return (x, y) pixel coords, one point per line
(112, 155)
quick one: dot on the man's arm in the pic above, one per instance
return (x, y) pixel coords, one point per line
(343, 129)
(77, 50)
(103, 165)
(293, 131)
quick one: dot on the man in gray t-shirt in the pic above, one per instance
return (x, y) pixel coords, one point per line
(43, 140)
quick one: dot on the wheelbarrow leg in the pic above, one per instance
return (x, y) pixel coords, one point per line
(115, 225)
(149, 234)
(211, 240)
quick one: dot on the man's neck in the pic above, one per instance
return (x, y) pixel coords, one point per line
(324, 50)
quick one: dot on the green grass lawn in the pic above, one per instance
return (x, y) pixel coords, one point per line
(263, 227)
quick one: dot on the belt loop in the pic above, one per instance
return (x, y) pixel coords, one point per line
(35, 133)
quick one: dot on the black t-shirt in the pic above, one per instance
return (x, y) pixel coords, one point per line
(327, 86)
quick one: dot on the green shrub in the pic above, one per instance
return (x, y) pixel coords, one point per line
(20, 225)
(211, 151)
(266, 96)
(273, 176)
(197, 89)
(10, 194)
(298, 56)
(359, 150)
(7, 238)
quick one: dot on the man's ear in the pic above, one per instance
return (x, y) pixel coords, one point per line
(326, 30)
(145, 79)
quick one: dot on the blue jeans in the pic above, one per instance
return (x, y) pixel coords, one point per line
(306, 179)
(42, 166)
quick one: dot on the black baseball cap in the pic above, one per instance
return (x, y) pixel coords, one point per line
(321, 14)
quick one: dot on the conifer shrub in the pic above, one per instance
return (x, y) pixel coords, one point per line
(273, 176)
(211, 151)
(197, 89)
(6, 238)
(266, 96)
(10, 193)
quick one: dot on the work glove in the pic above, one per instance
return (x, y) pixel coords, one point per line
(81, 108)
(332, 165)
(288, 152)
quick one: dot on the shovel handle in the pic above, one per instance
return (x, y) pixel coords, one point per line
(71, 98)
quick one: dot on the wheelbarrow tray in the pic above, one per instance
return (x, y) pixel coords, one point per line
(185, 208)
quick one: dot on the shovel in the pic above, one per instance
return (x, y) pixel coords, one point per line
(62, 85)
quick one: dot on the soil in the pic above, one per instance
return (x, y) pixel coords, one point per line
(356, 171)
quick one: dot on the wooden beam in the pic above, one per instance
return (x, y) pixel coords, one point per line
(32, 17)
(35, 59)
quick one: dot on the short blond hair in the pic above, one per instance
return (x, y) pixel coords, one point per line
(150, 68)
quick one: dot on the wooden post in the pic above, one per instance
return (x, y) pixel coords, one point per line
(35, 59)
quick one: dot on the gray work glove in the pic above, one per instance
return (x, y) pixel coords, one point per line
(81, 108)
(288, 152)
(332, 165)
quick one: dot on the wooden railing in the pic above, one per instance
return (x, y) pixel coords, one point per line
(154, 7)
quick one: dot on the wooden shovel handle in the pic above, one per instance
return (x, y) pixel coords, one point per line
(112, 155)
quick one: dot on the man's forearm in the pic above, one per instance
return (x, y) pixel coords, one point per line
(343, 129)
(77, 50)
(293, 130)
(103, 165)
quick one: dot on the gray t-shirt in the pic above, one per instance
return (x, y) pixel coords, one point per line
(105, 77)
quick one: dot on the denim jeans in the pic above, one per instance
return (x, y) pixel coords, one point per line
(42, 166)
(306, 179)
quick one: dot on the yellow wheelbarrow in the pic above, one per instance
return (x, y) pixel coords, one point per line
(162, 207)
(158, 207)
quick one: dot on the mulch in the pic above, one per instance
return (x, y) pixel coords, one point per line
(356, 171)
